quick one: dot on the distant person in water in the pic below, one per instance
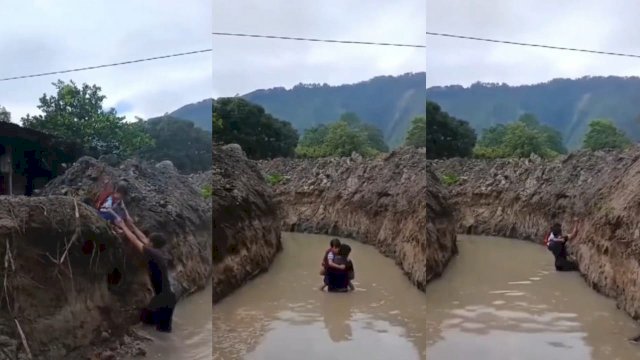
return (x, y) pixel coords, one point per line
(339, 279)
(328, 261)
(159, 311)
(557, 244)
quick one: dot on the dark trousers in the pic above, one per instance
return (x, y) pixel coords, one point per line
(562, 263)
(159, 312)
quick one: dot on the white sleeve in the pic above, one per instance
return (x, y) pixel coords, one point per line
(108, 204)
(330, 256)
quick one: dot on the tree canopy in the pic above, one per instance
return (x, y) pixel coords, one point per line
(342, 138)
(188, 147)
(521, 138)
(76, 114)
(444, 135)
(603, 134)
(5, 115)
(260, 135)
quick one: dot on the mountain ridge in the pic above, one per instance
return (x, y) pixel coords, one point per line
(566, 104)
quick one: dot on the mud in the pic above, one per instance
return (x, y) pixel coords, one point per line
(246, 222)
(58, 265)
(521, 198)
(379, 202)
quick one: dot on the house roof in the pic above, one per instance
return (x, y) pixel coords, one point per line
(14, 132)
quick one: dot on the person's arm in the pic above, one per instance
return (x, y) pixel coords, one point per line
(332, 264)
(574, 232)
(137, 244)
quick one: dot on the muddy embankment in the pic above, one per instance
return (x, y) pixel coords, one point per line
(379, 202)
(246, 222)
(69, 282)
(521, 198)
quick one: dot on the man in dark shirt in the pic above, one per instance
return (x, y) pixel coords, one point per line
(159, 312)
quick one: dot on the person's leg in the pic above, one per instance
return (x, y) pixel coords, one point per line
(148, 314)
(164, 314)
(136, 231)
(564, 264)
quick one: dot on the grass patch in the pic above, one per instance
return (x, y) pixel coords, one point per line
(207, 191)
(450, 179)
(274, 179)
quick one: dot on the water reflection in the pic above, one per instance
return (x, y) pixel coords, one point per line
(501, 299)
(281, 314)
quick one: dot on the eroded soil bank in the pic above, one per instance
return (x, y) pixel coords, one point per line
(441, 227)
(379, 202)
(246, 222)
(521, 198)
(60, 256)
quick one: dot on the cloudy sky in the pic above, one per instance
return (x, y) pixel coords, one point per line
(40, 36)
(590, 24)
(241, 65)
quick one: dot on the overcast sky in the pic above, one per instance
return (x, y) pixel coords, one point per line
(41, 36)
(242, 65)
(591, 24)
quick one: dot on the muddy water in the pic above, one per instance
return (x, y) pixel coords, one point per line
(191, 336)
(282, 315)
(502, 299)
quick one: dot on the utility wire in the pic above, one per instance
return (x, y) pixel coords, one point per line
(106, 65)
(316, 40)
(532, 45)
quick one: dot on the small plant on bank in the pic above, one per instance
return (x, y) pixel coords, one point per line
(274, 179)
(450, 179)
(207, 191)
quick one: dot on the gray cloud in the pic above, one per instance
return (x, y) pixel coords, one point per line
(590, 24)
(241, 65)
(41, 36)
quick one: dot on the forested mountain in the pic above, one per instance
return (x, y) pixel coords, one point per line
(567, 105)
(199, 113)
(388, 102)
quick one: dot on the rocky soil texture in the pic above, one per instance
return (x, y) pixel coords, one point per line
(521, 198)
(246, 222)
(70, 282)
(441, 227)
(381, 202)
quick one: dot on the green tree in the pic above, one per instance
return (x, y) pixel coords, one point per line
(5, 115)
(342, 138)
(603, 134)
(180, 141)
(260, 135)
(522, 138)
(553, 138)
(447, 136)
(76, 114)
(417, 134)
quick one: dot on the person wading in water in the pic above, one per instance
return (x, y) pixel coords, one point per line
(557, 244)
(159, 312)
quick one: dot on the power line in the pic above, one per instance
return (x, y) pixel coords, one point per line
(316, 40)
(106, 65)
(532, 45)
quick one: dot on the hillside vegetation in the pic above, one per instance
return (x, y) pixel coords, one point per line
(564, 104)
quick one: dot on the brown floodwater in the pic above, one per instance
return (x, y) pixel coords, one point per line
(191, 335)
(502, 299)
(281, 315)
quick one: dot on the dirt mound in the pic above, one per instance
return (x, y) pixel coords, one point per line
(522, 198)
(441, 228)
(379, 202)
(62, 286)
(246, 223)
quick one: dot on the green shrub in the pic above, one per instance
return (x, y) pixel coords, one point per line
(274, 179)
(207, 191)
(450, 179)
